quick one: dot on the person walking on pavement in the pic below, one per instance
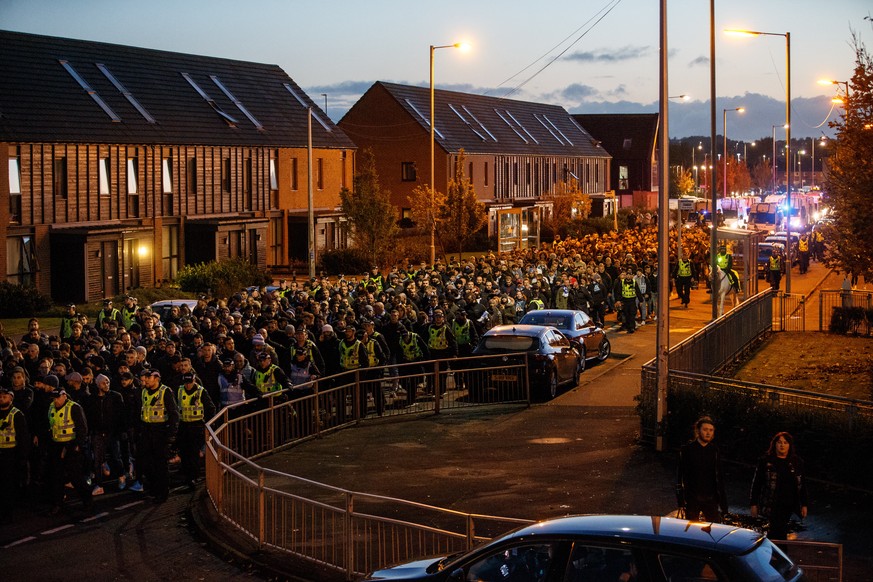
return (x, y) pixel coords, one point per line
(778, 487)
(775, 268)
(195, 407)
(14, 448)
(685, 273)
(700, 486)
(628, 294)
(803, 248)
(69, 431)
(159, 420)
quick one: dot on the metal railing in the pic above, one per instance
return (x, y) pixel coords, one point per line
(722, 341)
(351, 532)
(829, 299)
(789, 312)
(821, 562)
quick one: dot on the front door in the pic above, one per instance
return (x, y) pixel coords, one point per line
(109, 252)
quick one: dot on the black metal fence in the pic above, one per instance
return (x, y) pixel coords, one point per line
(845, 311)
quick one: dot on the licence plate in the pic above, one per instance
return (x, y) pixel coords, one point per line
(504, 377)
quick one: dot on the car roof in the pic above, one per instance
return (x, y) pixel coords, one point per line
(172, 302)
(646, 529)
(554, 312)
(519, 329)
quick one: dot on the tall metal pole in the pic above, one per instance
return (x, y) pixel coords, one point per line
(311, 216)
(713, 235)
(788, 156)
(774, 160)
(663, 313)
(432, 177)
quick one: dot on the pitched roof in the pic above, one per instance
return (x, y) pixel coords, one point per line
(492, 125)
(625, 135)
(64, 90)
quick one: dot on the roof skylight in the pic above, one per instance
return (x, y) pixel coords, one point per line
(305, 105)
(425, 119)
(236, 101)
(84, 84)
(230, 120)
(127, 94)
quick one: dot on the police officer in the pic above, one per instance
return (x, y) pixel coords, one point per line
(69, 430)
(412, 349)
(467, 338)
(803, 248)
(628, 293)
(442, 344)
(775, 268)
(158, 422)
(195, 407)
(725, 262)
(14, 448)
(108, 313)
(684, 274)
(352, 356)
(268, 377)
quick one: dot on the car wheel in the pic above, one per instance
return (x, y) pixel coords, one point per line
(578, 372)
(605, 350)
(552, 386)
(583, 359)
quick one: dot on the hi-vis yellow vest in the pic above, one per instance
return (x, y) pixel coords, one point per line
(61, 422)
(7, 430)
(153, 409)
(191, 404)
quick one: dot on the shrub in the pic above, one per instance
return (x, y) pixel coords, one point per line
(221, 279)
(345, 261)
(21, 300)
(845, 320)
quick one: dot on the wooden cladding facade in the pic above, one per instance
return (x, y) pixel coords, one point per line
(92, 220)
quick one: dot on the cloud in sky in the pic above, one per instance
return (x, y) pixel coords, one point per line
(627, 53)
(701, 61)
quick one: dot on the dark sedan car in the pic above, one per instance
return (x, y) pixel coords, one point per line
(591, 340)
(611, 547)
(552, 362)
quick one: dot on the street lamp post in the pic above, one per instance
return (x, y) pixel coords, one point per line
(787, 36)
(432, 173)
(725, 156)
(799, 156)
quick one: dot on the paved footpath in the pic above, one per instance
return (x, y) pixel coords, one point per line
(576, 454)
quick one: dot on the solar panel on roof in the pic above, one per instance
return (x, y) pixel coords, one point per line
(549, 129)
(512, 127)
(474, 118)
(305, 105)
(464, 119)
(236, 101)
(127, 94)
(425, 119)
(557, 129)
(523, 128)
(230, 120)
(84, 84)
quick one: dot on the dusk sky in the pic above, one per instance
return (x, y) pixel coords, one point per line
(589, 56)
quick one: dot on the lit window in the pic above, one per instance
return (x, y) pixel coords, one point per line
(59, 179)
(131, 175)
(103, 171)
(167, 176)
(274, 180)
(14, 177)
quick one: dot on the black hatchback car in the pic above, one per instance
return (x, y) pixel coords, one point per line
(552, 360)
(611, 547)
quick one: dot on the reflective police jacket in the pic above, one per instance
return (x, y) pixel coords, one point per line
(14, 433)
(67, 424)
(158, 408)
(196, 405)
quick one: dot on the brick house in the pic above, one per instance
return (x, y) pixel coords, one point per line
(516, 151)
(119, 165)
(632, 141)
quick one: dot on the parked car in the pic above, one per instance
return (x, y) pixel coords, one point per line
(577, 326)
(611, 547)
(765, 249)
(165, 307)
(553, 360)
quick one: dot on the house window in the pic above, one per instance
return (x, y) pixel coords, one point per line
(59, 178)
(319, 168)
(248, 176)
(274, 180)
(294, 182)
(170, 251)
(626, 144)
(470, 172)
(14, 191)
(167, 176)
(132, 171)
(486, 173)
(622, 178)
(343, 171)
(103, 176)
(192, 175)
(407, 171)
(225, 175)
(21, 263)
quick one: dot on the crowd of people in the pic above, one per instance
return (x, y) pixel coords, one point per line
(109, 398)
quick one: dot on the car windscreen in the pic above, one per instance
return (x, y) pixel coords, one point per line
(510, 343)
(534, 318)
(769, 563)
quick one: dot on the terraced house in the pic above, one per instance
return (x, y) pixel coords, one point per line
(517, 152)
(122, 164)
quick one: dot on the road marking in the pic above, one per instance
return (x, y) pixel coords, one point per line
(19, 542)
(93, 517)
(128, 505)
(57, 529)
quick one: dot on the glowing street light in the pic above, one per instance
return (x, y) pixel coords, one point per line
(458, 45)
(787, 36)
